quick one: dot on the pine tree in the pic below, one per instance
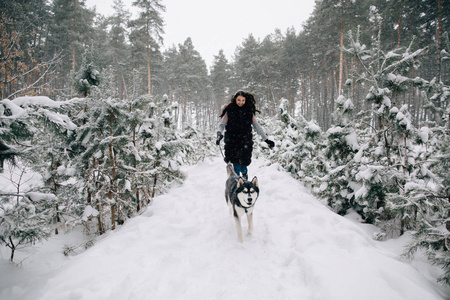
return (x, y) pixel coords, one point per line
(372, 156)
(99, 142)
(38, 127)
(290, 67)
(68, 34)
(249, 67)
(87, 76)
(429, 193)
(188, 80)
(220, 78)
(147, 32)
(337, 187)
(25, 219)
(24, 55)
(119, 49)
(299, 149)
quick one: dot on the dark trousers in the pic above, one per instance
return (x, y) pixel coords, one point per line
(240, 169)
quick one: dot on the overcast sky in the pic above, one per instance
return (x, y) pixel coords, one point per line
(223, 25)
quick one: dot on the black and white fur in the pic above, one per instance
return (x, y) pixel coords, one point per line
(241, 196)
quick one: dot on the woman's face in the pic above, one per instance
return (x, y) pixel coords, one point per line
(240, 100)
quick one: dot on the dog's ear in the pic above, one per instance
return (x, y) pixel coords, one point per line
(255, 181)
(240, 182)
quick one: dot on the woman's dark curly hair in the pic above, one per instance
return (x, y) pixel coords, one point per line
(250, 102)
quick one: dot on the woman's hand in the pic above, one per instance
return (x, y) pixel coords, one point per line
(219, 137)
(270, 143)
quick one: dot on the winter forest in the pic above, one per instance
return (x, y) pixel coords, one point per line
(357, 102)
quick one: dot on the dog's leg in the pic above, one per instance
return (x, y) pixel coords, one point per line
(250, 222)
(230, 206)
(238, 227)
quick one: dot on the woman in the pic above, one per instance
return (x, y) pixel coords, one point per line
(238, 117)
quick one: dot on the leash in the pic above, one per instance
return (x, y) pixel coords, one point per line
(221, 152)
(220, 148)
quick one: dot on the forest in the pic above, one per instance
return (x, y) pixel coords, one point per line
(357, 101)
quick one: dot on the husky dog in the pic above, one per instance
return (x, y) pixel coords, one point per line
(241, 196)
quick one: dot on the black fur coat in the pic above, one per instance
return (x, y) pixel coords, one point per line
(238, 135)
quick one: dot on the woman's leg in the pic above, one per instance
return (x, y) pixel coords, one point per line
(241, 170)
(244, 172)
(237, 169)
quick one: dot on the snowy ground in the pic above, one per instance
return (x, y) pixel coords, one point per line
(185, 247)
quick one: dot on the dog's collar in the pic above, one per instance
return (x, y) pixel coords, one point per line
(245, 208)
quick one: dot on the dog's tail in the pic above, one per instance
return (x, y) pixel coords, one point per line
(230, 170)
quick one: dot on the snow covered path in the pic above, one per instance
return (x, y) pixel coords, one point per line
(185, 247)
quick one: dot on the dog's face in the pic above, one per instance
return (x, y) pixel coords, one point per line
(247, 192)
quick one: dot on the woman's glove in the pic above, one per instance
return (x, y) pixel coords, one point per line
(270, 143)
(219, 137)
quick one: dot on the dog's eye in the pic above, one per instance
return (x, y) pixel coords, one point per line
(244, 190)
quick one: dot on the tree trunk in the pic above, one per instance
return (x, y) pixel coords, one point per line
(155, 181)
(399, 31)
(184, 116)
(291, 97)
(138, 201)
(352, 93)
(95, 180)
(74, 55)
(124, 88)
(99, 219)
(325, 93)
(302, 85)
(341, 59)
(13, 248)
(439, 41)
(269, 86)
(149, 87)
(113, 175)
(224, 101)
(54, 167)
(333, 92)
